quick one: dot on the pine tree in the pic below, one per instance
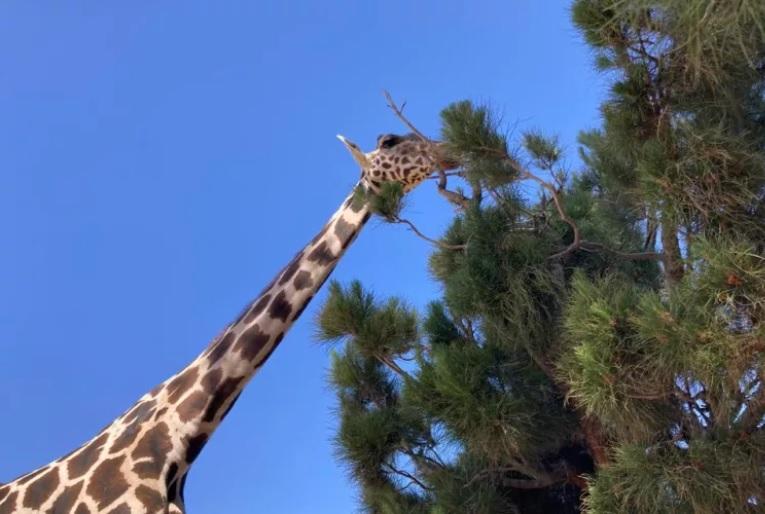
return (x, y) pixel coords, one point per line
(599, 344)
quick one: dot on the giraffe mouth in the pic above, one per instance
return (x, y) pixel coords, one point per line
(358, 155)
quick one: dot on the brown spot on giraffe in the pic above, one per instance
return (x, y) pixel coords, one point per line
(4, 490)
(344, 232)
(108, 482)
(193, 406)
(29, 476)
(257, 309)
(151, 499)
(88, 456)
(180, 384)
(219, 350)
(225, 391)
(142, 411)
(251, 342)
(302, 280)
(280, 307)
(275, 345)
(170, 478)
(195, 446)
(39, 491)
(8, 506)
(154, 447)
(82, 509)
(291, 269)
(211, 380)
(322, 255)
(65, 502)
(228, 409)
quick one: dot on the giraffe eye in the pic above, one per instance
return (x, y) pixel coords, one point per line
(389, 141)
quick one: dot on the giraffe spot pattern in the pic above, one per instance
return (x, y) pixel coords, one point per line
(211, 380)
(228, 409)
(8, 506)
(172, 474)
(193, 406)
(291, 269)
(65, 502)
(322, 254)
(29, 476)
(303, 280)
(275, 345)
(4, 490)
(218, 351)
(126, 438)
(155, 445)
(107, 483)
(82, 462)
(302, 307)
(180, 384)
(356, 206)
(182, 485)
(82, 509)
(280, 308)
(152, 500)
(40, 490)
(251, 342)
(326, 227)
(224, 392)
(258, 308)
(122, 508)
(140, 412)
(195, 447)
(344, 232)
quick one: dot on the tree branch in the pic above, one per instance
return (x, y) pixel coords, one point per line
(436, 242)
(457, 199)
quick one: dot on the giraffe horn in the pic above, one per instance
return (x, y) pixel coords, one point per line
(356, 152)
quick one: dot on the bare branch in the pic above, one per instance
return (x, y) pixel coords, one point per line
(457, 199)
(436, 242)
(408, 475)
(399, 112)
(589, 246)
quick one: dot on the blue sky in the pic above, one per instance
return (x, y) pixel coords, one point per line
(160, 161)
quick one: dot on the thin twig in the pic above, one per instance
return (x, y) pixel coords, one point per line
(436, 242)
(394, 367)
(589, 246)
(399, 112)
(457, 199)
(407, 475)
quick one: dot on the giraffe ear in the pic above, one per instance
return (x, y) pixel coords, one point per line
(359, 156)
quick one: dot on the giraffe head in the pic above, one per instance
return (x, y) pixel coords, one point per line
(405, 159)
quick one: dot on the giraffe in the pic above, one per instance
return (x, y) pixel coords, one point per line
(138, 464)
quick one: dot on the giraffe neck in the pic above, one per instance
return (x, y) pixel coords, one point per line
(199, 397)
(139, 462)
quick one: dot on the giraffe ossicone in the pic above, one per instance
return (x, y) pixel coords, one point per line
(138, 464)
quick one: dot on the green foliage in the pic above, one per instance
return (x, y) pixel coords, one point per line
(544, 150)
(377, 329)
(472, 134)
(604, 325)
(709, 477)
(387, 203)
